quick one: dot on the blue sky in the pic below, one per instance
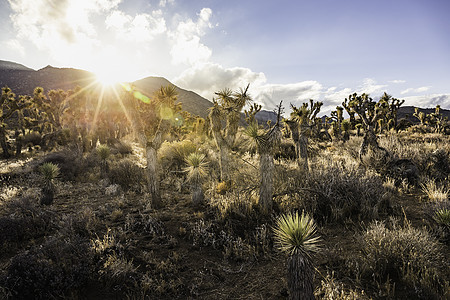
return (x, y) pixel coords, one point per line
(286, 50)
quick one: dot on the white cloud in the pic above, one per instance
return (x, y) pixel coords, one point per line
(417, 90)
(163, 3)
(208, 78)
(370, 86)
(397, 81)
(428, 101)
(187, 47)
(141, 27)
(16, 46)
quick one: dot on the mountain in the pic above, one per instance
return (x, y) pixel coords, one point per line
(9, 65)
(192, 102)
(23, 80)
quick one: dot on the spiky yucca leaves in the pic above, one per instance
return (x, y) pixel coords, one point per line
(103, 152)
(442, 217)
(49, 172)
(196, 172)
(296, 235)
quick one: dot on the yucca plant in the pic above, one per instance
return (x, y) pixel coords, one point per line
(296, 236)
(442, 217)
(196, 172)
(49, 172)
(103, 152)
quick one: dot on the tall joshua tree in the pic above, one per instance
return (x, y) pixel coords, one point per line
(301, 120)
(393, 104)
(152, 120)
(296, 236)
(227, 109)
(266, 144)
(9, 104)
(369, 112)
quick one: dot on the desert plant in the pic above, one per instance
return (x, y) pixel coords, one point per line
(227, 108)
(266, 144)
(442, 217)
(301, 120)
(49, 172)
(407, 254)
(196, 172)
(434, 192)
(103, 152)
(296, 236)
(126, 174)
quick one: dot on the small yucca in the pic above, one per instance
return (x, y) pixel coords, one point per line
(197, 167)
(296, 234)
(442, 217)
(49, 171)
(103, 152)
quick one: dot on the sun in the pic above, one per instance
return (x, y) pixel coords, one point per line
(109, 77)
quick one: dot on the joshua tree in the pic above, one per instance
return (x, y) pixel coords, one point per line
(49, 172)
(369, 112)
(103, 152)
(393, 106)
(227, 109)
(296, 236)
(420, 115)
(196, 172)
(152, 120)
(337, 116)
(9, 104)
(266, 143)
(346, 126)
(301, 120)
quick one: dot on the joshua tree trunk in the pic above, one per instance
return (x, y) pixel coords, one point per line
(266, 186)
(3, 143)
(48, 194)
(197, 193)
(303, 151)
(153, 175)
(300, 277)
(369, 142)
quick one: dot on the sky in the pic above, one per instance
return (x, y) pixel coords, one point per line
(286, 50)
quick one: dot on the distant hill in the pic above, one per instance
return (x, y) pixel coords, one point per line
(406, 112)
(23, 80)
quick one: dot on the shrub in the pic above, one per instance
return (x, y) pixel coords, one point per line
(331, 192)
(23, 220)
(71, 163)
(127, 174)
(404, 254)
(434, 192)
(59, 267)
(172, 155)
